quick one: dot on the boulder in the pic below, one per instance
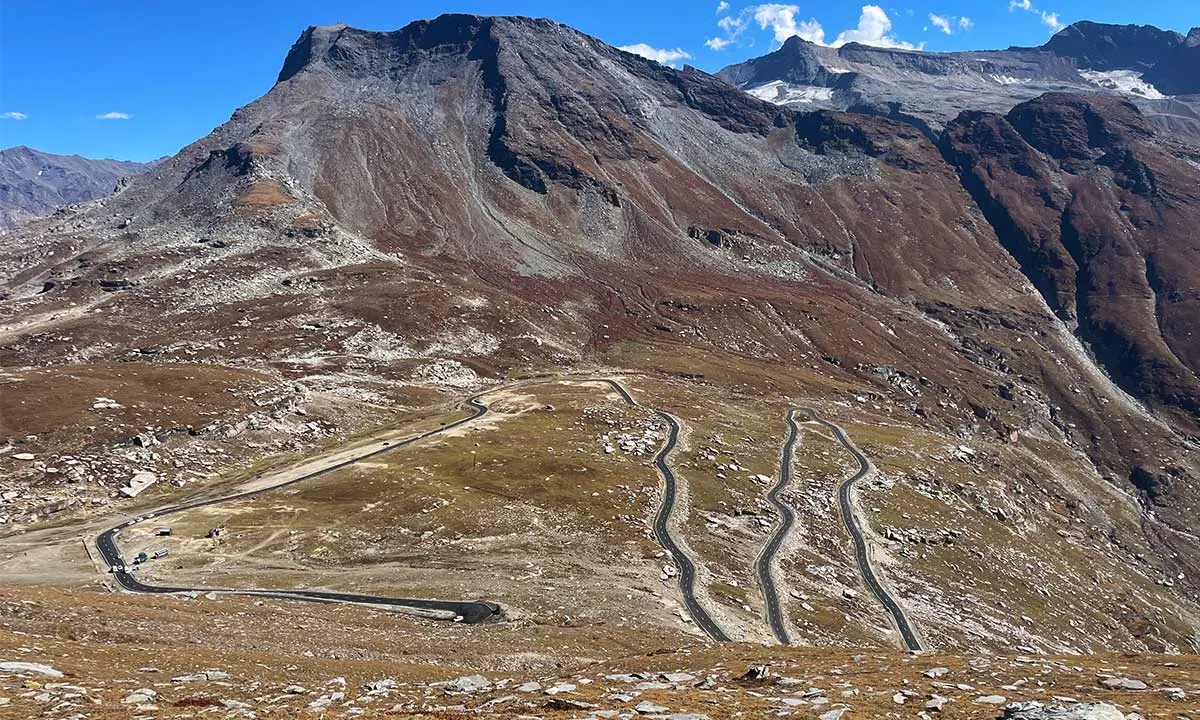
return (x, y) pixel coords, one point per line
(28, 667)
(1083, 711)
(201, 676)
(468, 684)
(1123, 683)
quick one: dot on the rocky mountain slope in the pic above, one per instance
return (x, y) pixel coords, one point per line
(520, 198)
(1156, 69)
(34, 184)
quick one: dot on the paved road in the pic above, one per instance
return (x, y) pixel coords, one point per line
(766, 559)
(850, 518)
(461, 611)
(686, 568)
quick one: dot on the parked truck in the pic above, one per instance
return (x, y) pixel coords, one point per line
(160, 553)
(163, 532)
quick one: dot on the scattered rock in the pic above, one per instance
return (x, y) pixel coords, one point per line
(201, 676)
(1087, 711)
(1174, 693)
(139, 697)
(561, 688)
(566, 704)
(139, 482)
(449, 373)
(468, 684)
(235, 704)
(28, 667)
(380, 687)
(648, 708)
(1122, 683)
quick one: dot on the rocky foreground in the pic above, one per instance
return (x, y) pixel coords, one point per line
(99, 655)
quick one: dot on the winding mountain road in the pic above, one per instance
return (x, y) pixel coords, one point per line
(662, 521)
(854, 527)
(459, 611)
(787, 518)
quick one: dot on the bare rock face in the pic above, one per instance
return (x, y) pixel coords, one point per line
(1113, 47)
(1097, 211)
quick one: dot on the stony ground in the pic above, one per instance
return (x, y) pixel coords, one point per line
(99, 655)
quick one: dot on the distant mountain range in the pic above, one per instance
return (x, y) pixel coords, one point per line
(1158, 69)
(33, 183)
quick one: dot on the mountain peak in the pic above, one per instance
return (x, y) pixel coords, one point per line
(19, 150)
(1093, 28)
(1099, 46)
(358, 51)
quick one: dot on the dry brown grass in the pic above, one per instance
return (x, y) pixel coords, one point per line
(55, 403)
(99, 640)
(264, 193)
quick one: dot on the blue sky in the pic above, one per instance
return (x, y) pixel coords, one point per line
(137, 80)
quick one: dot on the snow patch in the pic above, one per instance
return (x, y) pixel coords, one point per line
(781, 93)
(1125, 82)
(1007, 80)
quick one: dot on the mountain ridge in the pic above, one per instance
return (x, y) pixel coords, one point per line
(35, 183)
(931, 88)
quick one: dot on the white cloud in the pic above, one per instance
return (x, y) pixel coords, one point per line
(812, 31)
(949, 23)
(732, 25)
(874, 28)
(13, 116)
(114, 116)
(722, 7)
(1048, 18)
(664, 56)
(782, 21)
